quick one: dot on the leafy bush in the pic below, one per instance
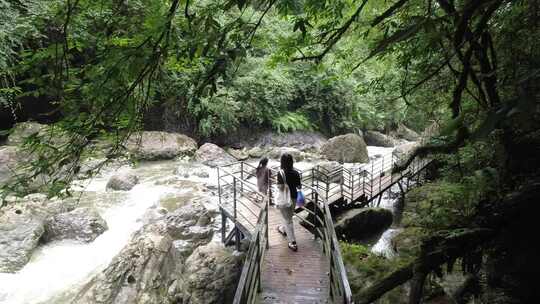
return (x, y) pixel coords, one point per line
(292, 121)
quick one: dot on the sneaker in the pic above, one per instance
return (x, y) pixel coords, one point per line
(293, 246)
(281, 230)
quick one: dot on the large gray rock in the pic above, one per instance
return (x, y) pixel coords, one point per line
(211, 275)
(403, 132)
(239, 154)
(155, 145)
(22, 130)
(402, 152)
(357, 224)
(257, 152)
(190, 222)
(81, 224)
(276, 153)
(9, 158)
(124, 180)
(50, 134)
(150, 269)
(140, 273)
(349, 148)
(213, 156)
(38, 205)
(374, 138)
(301, 140)
(20, 232)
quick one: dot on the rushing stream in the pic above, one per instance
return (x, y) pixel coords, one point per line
(60, 268)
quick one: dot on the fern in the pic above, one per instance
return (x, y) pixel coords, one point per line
(292, 121)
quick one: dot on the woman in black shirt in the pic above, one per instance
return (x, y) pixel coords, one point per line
(292, 177)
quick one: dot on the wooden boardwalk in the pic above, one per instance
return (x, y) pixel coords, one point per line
(314, 274)
(294, 277)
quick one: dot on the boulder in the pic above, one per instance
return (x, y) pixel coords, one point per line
(22, 130)
(51, 134)
(81, 224)
(123, 181)
(256, 152)
(276, 153)
(8, 162)
(402, 152)
(211, 275)
(301, 140)
(239, 154)
(190, 222)
(403, 132)
(406, 243)
(349, 148)
(357, 224)
(150, 269)
(140, 273)
(156, 145)
(213, 156)
(374, 138)
(20, 232)
(38, 205)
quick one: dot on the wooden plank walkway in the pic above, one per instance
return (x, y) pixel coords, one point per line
(299, 277)
(294, 277)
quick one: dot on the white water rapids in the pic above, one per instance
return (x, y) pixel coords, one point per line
(62, 265)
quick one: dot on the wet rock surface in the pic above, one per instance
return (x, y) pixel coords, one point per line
(405, 133)
(239, 154)
(125, 181)
(213, 156)
(402, 152)
(168, 261)
(9, 158)
(349, 148)
(303, 141)
(276, 153)
(20, 233)
(22, 130)
(156, 145)
(81, 224)
(358, 224)
(211, 275)
(374, 138)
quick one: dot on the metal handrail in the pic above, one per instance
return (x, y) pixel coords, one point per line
(321, 221)
(331, 244)
(249, 283)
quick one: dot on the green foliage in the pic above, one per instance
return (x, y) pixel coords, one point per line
(290, 122)
(364, 268)
(450, 205)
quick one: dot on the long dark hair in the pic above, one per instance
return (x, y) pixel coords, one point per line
(286, 162)
(262, 163)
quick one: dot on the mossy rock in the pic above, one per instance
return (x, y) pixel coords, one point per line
(359, 224)
(365, 268)
(407, 242)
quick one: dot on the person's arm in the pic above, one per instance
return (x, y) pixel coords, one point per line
(280, 183)
(298, 180)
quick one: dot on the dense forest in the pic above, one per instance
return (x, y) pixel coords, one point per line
(215, 69)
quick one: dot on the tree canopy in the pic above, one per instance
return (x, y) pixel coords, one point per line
(334, 66)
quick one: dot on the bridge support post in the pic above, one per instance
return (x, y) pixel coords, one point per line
(236, 230)
(223, 226)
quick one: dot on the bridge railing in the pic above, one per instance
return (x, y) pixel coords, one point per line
(239, 201)
(249, 284)
(319, 219)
